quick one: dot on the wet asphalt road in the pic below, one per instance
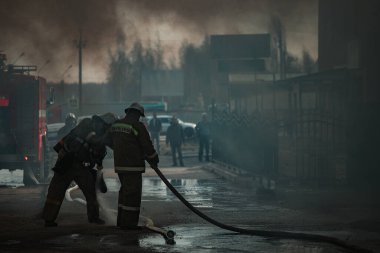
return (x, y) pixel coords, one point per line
(218, 198)
(214, 196)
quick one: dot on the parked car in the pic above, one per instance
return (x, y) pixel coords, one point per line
(80, 118)
(188, 127)
(52, 131)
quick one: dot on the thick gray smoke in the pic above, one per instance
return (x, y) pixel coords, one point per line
(46, 30)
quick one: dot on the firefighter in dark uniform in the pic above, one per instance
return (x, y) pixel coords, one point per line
(78, 152)
(70, 123)
(131, 145)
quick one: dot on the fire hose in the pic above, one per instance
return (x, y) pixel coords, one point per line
(262, 233)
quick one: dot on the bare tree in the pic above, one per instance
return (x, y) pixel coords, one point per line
(308, 63)
(293, 64)
(117, 75)
(127, 66)
(196, 68)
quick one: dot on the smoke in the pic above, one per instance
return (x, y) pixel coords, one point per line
(46, 30)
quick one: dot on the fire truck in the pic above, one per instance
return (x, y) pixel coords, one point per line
(23, 122)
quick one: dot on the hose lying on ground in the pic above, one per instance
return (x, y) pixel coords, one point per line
(264, 233)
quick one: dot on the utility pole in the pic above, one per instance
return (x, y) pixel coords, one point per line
(282, 55)
(279, 33)
(80, 45)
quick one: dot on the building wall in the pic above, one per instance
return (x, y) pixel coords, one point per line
(349, 37)
(337, 30)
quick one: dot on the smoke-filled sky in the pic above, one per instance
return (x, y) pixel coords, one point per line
(46, 30)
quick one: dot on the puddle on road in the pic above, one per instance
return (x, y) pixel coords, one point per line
(11, 178)
(197, 192)
(202, 193)
(194, 238)
(110, 241)
(210, 239)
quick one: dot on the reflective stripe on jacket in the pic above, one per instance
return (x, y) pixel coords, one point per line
(131, 145)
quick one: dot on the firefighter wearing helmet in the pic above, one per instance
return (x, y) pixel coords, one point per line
(78, 153)
(131, 145)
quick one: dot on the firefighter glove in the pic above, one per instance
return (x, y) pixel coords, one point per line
(154, 161)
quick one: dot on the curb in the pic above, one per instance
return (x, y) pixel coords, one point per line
(232, 174)
(262, 185)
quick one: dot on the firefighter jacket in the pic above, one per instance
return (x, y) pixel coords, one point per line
(85, 146)
(131, 146)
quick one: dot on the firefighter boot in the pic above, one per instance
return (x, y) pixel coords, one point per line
(50, 212)
(93, 213)
(128, 220)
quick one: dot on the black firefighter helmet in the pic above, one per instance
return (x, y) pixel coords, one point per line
(136, 106)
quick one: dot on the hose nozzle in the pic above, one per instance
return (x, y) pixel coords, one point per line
(169, 237)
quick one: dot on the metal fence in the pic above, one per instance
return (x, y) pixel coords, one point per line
(304, 137)
(245, 141)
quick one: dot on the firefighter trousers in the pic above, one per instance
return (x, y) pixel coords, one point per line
(84, 178)
(129, 199)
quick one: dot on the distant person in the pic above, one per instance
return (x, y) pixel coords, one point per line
(174, 136)
(70, 123)
(203, 133)
(155, 128)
